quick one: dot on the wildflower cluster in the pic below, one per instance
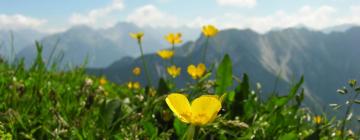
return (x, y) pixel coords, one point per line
(204, 109)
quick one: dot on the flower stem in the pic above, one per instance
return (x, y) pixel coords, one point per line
(173, 49)
(205, 49)
(144, 63)
(348, 109)
(190, 133)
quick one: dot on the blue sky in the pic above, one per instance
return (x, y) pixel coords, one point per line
(260, 15)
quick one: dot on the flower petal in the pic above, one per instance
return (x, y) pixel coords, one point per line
(192, 70)
(204, 109)
(133, 35)
(201, 68)
(179, 104)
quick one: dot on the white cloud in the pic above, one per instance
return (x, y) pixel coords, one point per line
(313, 17)
(200, 21)
(96, 17)
(163, 1)
(18, 21)
(237, 3)
(149, 15)
(355, 9)
(316, 18)
(353, 18)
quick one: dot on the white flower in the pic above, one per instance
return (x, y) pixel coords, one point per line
(126, 100)
(88, 81)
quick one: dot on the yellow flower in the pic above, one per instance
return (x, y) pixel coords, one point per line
(165, 54)
(338, 132)
(152, 92)
(209, 30)
(136, 71)
(174, 38)
(202, 110)
(196, 72)
(138, 36)
(174, 71)
(102, 81)
(317, 119)
(130, 85)
(136, 85)
(133, 85)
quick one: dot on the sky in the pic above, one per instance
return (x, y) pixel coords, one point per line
(259, 15)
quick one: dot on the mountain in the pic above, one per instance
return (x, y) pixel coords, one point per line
(76, 44)
(101, 47)
(338, 28)
(276, 59)
(20, 39)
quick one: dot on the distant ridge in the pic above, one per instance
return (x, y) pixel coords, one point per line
(327, 61)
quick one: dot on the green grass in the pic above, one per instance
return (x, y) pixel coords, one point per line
(38, 103)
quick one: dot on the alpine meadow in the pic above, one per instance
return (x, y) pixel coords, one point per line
(180, 70)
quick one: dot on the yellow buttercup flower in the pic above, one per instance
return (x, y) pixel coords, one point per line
(209, 30)
(174, 38)
(317, 119)
(174, 71)
(338, 132)
(165, 54)
(130, 85)
(138, 36)
(136, 71)
(102, 81)
(136, 85)
(196, 71)
(133, 85)
(152, 92)
(202, 110)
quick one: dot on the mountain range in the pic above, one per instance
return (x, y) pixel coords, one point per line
(13, 41)
(276, 59)
(79, 43)
(100, 47)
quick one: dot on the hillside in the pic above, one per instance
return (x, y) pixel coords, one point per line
(19, 39)
(42, 103)
(101, 46)
(275, 57)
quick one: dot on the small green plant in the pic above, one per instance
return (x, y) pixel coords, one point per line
(353, 92)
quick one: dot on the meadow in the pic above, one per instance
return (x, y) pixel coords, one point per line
(41, 102)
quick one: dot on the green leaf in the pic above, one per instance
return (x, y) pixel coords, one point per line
(224, 75)
(205, 77)
(109, 112)
(150, 129)
(231, 96)
(357, 101)
(162, 87)
(357, 89)
(352, 83)
(242, 93)
(291, 94)
(288, 136)
(300, 98)
(295, 88)
(343, 90)
(280, 101)
(38, 64)
(222, 137)
(180, 128)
